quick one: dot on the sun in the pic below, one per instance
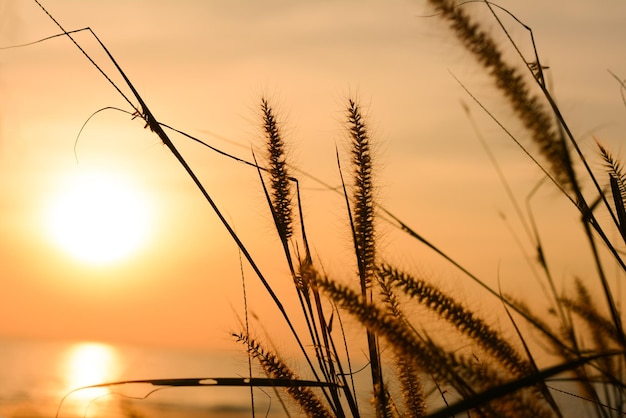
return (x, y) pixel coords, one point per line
(98, 217)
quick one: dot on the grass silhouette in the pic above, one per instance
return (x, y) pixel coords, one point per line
(412, 371)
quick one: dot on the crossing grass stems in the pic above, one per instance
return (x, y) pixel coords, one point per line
(498, 376)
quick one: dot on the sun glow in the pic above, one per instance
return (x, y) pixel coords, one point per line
(98, 218)
(88, 364)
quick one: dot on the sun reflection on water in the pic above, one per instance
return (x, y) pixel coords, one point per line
(88, 364)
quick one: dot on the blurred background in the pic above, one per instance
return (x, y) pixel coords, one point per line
(202, 67)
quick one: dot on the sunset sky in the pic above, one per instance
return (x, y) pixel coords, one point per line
(202, 66)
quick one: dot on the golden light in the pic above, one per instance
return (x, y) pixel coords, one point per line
(98, 217)
(88, 364)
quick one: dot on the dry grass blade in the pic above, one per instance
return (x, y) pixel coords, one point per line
(161, 384)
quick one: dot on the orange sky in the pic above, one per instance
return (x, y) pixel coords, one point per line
(202, 66)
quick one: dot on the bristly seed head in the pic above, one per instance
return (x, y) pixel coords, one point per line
(529, 109)
(363, 195)
(277, 369)
(279, 177)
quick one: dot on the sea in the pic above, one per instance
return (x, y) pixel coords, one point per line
(43, 378)
(51, 378)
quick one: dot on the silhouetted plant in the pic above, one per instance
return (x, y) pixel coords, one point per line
(493, 375)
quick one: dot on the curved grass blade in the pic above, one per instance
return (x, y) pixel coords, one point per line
(217, 381)
(204, 382)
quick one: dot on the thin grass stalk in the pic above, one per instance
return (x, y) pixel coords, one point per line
(307, 273)
(282, 212)
(585, 209)
(526, 314)
(496, 391)
(303, 298)
(531, 230)
(299, 283)
(622, 84)
(562, 350)
(328, 343)
(615, 315)
(327, 352)
(362, 225)
(276, 368)
(542, 386)
(280, 204)
(601, 331)
(402, 339)
(157, 128)
(344, 375)
(534, 117)
(462, 373)
(246, 328)
(507, 79)
(305, 303)
(396, 222)
(537, 70)
(587, 214)
(503, 180)
(541, 257)
(349, 386)
(375, 366)
(566, 323)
